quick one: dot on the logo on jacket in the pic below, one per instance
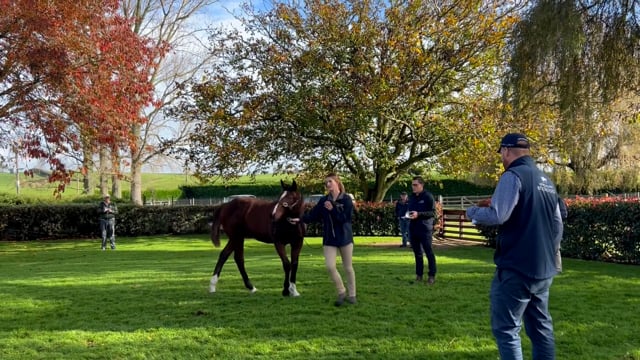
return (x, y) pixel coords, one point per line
(546, 186)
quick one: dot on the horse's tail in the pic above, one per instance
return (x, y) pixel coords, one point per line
(215, 226)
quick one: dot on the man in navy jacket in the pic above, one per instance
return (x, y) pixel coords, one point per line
(525, 207)
(421, 215)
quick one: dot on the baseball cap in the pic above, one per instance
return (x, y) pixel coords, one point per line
(514, 140)
(107, 196)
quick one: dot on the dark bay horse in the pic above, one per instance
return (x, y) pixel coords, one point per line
(264, 221)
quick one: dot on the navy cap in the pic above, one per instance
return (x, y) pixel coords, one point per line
(514, 140)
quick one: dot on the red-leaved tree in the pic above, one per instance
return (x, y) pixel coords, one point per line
(70, 71)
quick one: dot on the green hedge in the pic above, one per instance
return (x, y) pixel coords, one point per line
(220, 191)
(602, 229)
(31, 222)
(444, 187)
(77, 221)
(605, 229)
(369, 219)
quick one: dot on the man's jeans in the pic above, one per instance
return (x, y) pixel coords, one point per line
(107, 231)
(404, 230)
(514, 297)
(422, 244)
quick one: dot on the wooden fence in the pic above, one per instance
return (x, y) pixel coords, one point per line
(460, 202)
(455, 225)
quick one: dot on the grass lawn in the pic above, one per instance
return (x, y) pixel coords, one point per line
(37, 187)
(149, 300)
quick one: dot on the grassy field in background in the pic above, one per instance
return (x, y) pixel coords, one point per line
(149, 300)
(167, 187)
(38, 186)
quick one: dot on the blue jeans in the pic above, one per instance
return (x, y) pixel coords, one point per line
(108, 231)
(404, 230)
(514, 297)
(421, 243)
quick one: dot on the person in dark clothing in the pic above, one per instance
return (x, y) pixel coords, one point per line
(402, 207)
(108, 211)
(526, 210)
(335, 211)
(421, 216)
(564, 213)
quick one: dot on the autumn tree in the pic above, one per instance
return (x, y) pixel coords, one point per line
(372, 88)
(168, 24)
(70, 71)
(575, 71)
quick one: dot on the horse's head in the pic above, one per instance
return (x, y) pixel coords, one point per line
(290, 203)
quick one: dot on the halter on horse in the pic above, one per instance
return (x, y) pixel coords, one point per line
(264, 221)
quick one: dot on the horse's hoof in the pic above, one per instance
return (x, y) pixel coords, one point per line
(293, 291)
(253, 290)
(213, 283)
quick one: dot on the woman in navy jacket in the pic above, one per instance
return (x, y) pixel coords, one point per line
(335, 211)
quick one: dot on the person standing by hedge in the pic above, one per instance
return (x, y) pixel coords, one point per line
(421, 215)
(402, 206)
(525, 207)
(108, 211)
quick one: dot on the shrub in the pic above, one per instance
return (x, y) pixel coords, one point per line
(604, 229)
(72, 221)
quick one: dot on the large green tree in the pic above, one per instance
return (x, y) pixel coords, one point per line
(575, 72)
(371, 88)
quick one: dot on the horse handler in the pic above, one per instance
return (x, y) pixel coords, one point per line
(335, 211)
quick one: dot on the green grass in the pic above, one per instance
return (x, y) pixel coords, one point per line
(149, 300)
(37, 187)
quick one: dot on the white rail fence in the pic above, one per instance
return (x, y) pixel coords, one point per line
(448, 202)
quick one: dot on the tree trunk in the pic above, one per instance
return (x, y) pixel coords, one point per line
(116, 187)
(136, 183)
(86, 183)
(104, 171)
(136, 167)
(383, 184)
(87, 169)
(16, 166)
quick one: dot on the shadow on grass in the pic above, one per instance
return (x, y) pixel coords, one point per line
(156, 287)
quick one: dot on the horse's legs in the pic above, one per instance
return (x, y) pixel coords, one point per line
(224, 255)
(239, 259)
(296, 247)
(286, 265)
